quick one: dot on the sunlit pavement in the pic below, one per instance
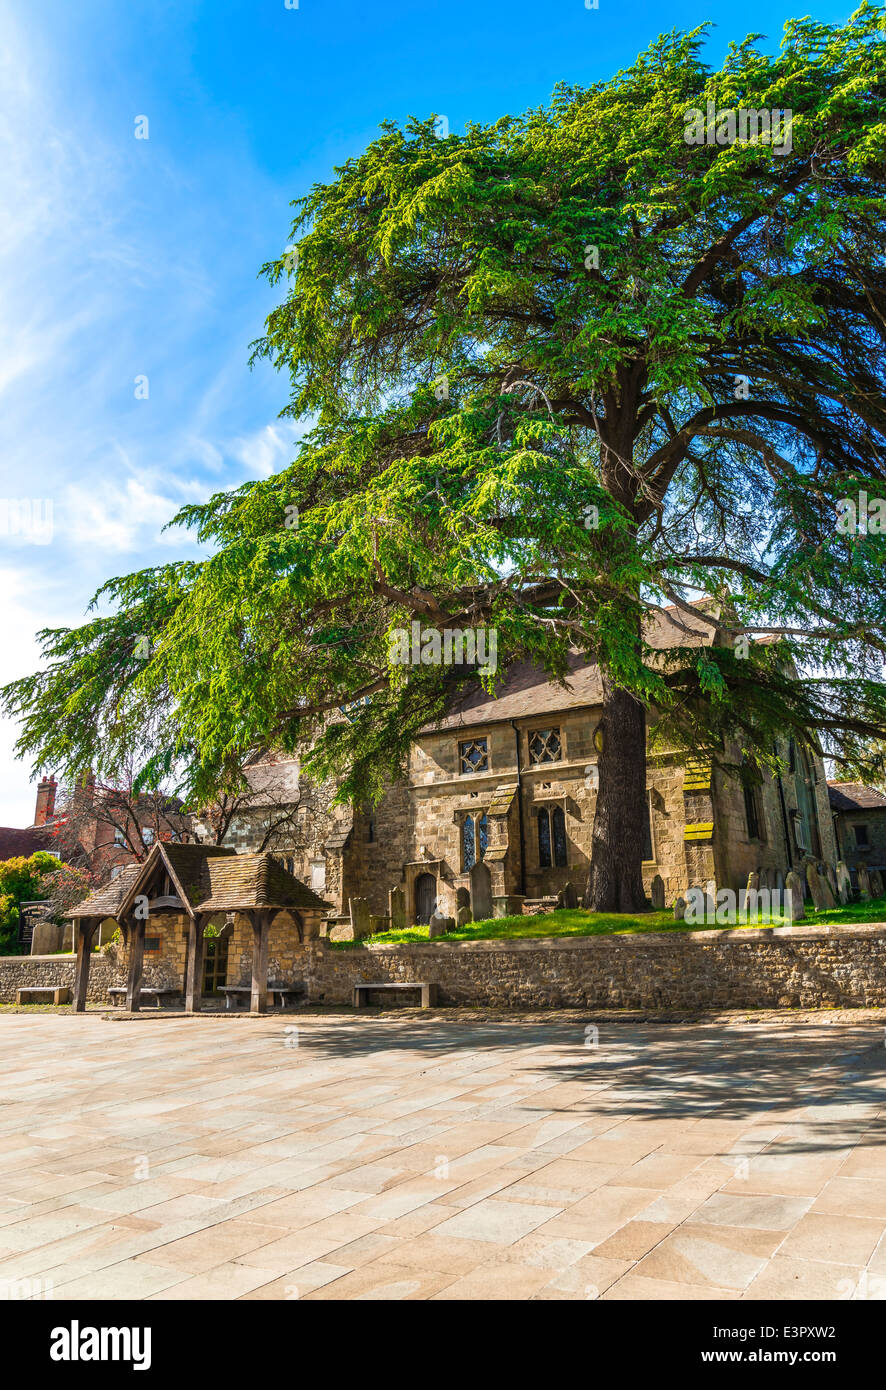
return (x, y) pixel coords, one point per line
(419, 1157)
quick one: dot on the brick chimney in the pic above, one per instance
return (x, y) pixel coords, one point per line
(46, 790)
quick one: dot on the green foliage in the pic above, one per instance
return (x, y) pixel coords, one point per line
(491, 334)
(21, 880)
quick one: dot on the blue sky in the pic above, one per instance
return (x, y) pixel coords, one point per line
(123, 258)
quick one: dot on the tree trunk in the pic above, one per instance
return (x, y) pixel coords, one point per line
(615, 881)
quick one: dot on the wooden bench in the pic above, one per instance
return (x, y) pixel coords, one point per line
(282, 993)
(428, 992)
(147, 992)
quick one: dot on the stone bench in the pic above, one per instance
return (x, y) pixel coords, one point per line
(48, 994)
(428, 992)
(282, 992)
(147, 992)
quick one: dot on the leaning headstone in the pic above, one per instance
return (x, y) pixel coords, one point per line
(397, 908)
(753, 883)
(567, 896)
(658, 893)
(844, 882)
(820, 889)
(359, 910)
(864, 883)
(794, 886)
(439, 924)
(876, 883)
(679, 909)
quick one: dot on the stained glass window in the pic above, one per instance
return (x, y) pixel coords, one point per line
(468, 846)
(558, 820)
(474, 756)
(544, 746)
(544, 840)
(483, 834)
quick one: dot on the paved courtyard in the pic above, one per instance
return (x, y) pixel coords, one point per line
(426, 1157)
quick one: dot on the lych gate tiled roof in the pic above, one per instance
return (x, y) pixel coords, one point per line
(854, 796)
(255, 880)
(105, 902)
(527, 689)
(210, 878)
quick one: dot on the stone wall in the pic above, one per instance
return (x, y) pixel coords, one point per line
(874, 854)
(50, 972)
(791, 967)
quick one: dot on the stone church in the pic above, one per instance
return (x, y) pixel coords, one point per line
(499, 799)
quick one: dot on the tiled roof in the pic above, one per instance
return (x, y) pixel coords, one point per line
(255, 880)
(211, 878)
(528, 690)
(853, 796)
(104, 902)
(23, 842)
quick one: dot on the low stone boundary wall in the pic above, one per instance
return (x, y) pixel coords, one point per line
(785, 967)
(51, 972)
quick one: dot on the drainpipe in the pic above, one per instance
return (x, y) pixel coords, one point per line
(784, 814)
(520, 809)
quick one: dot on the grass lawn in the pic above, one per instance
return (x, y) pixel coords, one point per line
(577, 922)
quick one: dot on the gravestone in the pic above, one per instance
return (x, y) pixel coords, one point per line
(567, 896)
(397, 908)
(753, 883)
(876, 883)
(864, 883)
(439, 924)
(481, 892)
(832, 878)
(359, 911)
(658, 893)
(819, 889)
(844, 882)
(462, 897)
(463, 915)
(46, 938)
(794, 886)
(679, 909)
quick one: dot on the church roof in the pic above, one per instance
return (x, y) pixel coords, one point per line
(854, 796)
(528, 690)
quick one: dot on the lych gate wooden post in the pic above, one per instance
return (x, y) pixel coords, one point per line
(261, 922)
(136, 959)
(194, 987)
(88, 926)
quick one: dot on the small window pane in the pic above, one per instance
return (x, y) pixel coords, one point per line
(483, 834)
(861, 835)
(473, 756)
(544, 746)
(544, 840)
(468, 850)
(560, 847)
